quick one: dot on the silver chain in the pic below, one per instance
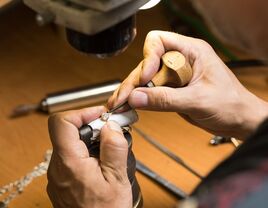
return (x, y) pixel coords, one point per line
(15, 188)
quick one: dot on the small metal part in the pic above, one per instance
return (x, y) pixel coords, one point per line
(166, 151)
(235, 142)
(44, 19)
(127, 129)
(150, 84)
(105, 116)
(160, 180)
(216, 140)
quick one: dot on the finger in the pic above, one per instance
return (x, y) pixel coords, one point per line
(152, 51)
(63, 130)
(163, 99)
(113, 153)
(122, 93)
(159, 42)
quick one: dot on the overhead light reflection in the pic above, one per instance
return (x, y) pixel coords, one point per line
(150, 4)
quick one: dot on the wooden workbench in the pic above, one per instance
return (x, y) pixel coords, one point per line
(35, 61)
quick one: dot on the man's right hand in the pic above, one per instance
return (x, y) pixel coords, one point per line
(213, 100)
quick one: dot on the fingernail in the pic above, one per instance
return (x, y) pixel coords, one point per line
(139, 99)
(114, 126)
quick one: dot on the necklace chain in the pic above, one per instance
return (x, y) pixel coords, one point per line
(15, 188)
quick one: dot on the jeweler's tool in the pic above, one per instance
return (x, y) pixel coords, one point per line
(70, 99)
(235, 142)
(166, 151)
(160, 180)
(216, 140)
(174, 72)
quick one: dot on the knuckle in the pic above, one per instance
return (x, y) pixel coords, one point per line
(115, 141)
(54, 118)
(162, 99)
(152, 33)
(203, 44)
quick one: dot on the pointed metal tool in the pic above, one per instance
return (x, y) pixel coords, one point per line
(166, 151)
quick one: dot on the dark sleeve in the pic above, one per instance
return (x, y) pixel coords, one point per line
(241, 175)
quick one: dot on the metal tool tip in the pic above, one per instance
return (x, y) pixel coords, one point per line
(213, 142)
(23, 110)
(120, 108)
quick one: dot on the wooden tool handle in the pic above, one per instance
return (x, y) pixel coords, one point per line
(175, 71)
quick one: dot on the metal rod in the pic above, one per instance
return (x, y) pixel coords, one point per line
(160, 180)
(79, 97)
(166, 151)
(70, 99)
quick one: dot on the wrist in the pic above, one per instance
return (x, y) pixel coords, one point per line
(253, 112)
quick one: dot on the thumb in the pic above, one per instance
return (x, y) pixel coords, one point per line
(162, 99)
(113, 153)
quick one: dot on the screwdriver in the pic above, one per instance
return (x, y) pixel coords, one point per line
(175, 72)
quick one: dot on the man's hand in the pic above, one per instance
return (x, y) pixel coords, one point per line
(77, 180)
(213, 100)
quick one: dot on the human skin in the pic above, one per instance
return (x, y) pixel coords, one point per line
(213, 100)
(77, 180)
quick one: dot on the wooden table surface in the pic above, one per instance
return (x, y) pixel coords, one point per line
(4, 2)
(35, 61)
